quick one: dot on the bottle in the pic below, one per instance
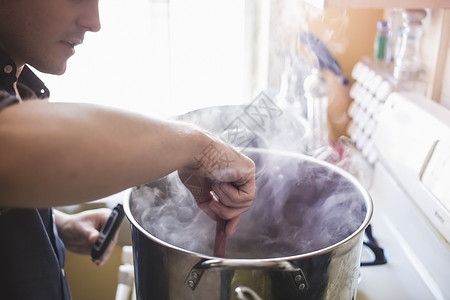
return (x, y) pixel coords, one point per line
(408, 69)
(290, 96)
(394, 22)
(380, 42)
(316, 94)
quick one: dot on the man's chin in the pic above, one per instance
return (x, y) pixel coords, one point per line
(52, 69)
(57, 71)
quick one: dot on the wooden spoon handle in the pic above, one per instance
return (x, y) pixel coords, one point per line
(221, 238)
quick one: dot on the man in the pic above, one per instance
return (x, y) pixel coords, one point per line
(55, 154)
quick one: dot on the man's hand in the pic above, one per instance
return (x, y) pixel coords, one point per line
(79, 232)
(222, 183)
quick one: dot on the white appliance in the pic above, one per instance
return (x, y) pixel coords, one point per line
(407, 139)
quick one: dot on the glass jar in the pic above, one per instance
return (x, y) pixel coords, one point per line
(408, 60)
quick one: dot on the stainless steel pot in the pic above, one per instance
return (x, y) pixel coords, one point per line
(302, 238)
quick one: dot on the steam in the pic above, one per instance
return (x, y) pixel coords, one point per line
(300, 206)
(168, 211)
(261, 124)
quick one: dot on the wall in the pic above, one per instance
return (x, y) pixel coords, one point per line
(360, 34)
(348, 33)
(90, 282)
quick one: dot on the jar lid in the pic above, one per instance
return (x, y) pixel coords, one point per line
(414, 15)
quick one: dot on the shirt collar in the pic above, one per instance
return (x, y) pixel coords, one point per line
(7, 73)
(26, 79)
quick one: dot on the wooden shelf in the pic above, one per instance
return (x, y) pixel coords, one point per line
(379, 4)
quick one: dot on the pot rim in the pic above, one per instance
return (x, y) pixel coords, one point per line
(334, 168)
(187, 116)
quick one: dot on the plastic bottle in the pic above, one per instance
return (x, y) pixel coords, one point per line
(290, 97)
(394, 23)
(381, 42)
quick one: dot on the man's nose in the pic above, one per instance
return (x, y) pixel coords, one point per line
(90, 18)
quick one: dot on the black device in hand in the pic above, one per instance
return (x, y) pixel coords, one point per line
(108, 231)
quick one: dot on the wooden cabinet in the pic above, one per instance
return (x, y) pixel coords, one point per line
(436, 54)
(380, 3)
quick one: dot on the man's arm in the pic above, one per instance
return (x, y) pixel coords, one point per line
(61, 153)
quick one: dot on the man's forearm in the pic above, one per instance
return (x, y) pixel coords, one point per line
(61, 153)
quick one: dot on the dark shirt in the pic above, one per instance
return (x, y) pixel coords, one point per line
(31, 252)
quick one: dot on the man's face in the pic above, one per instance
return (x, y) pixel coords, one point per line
(43, 33)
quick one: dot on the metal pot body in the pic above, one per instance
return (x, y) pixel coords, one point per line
(278, 264)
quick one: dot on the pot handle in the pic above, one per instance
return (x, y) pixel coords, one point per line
(196, 272)
(246, 264)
